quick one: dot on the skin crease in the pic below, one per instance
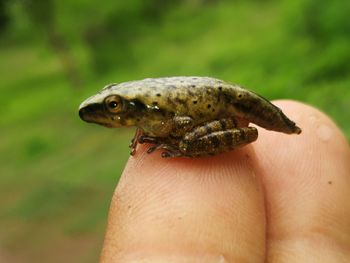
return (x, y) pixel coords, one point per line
(283, 198)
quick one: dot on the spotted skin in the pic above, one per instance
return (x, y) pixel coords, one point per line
(185, 116)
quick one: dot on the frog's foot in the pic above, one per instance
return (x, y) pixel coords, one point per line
(170, 154)
(135, 141)
(147, 139)
(171, 151)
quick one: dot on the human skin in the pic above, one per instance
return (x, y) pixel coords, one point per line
(284, 198)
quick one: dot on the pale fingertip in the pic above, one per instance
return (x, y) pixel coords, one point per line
(181, 209)
(307, 182)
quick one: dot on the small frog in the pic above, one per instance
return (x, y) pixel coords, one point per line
(185, 116)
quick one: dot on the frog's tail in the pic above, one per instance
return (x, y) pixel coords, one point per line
(289, 126)
(262, 112)
(274, 119)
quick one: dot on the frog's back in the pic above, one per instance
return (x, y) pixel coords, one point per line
(164, 85)
(200, 97)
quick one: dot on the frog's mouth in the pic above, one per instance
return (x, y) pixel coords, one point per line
(95, 113)
(91, 112)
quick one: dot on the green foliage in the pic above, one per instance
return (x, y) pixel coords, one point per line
(4, 17)
(58, 173)
(323, 22)
(35, 9)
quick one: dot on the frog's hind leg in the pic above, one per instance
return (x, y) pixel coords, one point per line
(217, 142)
(216, 137)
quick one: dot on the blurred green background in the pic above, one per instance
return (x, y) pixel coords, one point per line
(58, 173)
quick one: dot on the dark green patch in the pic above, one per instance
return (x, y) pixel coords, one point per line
(35, 147)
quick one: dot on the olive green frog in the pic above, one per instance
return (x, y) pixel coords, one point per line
(185, 116)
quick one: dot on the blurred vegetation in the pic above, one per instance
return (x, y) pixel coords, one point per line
(58, 173)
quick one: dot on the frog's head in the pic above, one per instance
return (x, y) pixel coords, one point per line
(108, 108)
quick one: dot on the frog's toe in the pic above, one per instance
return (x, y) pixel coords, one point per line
(166, 155)
(171, 151)
(151, 149)
(170, 154)
(147, 139)
(160, 146)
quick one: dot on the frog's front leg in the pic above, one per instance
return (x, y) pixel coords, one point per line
(175, 128)
(141, 138)
(216, 137)
(159, 143)
(135, 141)
(171, 150)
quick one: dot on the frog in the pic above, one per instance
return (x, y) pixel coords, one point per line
(185, 116)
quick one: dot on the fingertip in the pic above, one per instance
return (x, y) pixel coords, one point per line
(306, 178)
(318, 132)
(321, 152)
(208, 208)
(310, 119)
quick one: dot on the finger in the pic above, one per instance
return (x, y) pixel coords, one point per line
(307, 185)
(187, 210)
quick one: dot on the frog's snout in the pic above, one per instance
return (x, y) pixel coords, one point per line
(81, 114)
(96, 113)
(88, 110)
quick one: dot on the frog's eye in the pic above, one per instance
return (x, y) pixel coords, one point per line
(113, 103)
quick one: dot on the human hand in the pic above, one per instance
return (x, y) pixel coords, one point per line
(284, 198)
